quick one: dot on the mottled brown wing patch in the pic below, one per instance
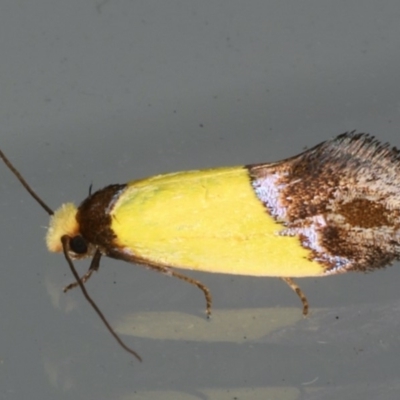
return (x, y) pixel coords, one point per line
(365, 213)
(340, 198)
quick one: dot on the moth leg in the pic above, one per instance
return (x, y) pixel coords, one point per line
(94, 266)
(299, 293)
(201, 286)
(165, 269)
(188, 279)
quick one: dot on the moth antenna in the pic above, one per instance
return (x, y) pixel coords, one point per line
(24, 183)
(65, 242)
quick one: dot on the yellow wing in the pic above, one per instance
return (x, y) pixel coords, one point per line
(209, 220)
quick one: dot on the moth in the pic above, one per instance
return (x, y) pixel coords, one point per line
(331, 209)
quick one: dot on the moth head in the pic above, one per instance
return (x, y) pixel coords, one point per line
(63, 223)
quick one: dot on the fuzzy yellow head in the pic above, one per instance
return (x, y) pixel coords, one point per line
(62, 222)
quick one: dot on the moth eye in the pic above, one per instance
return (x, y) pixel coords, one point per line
(78, 245)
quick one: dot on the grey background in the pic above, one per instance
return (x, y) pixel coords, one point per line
(108, 91)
